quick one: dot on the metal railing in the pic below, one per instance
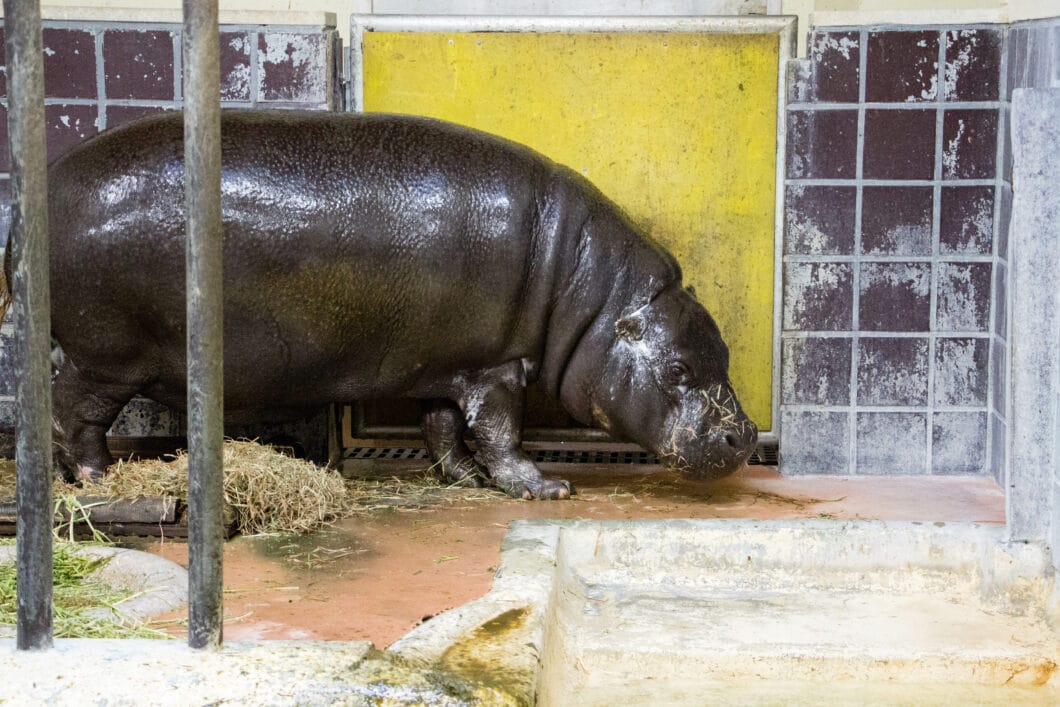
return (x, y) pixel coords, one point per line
(29, 244)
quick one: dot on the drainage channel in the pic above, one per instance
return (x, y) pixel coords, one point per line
(764, 455)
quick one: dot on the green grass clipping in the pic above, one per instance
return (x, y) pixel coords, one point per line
(83, 608)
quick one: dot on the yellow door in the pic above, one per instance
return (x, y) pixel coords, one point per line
(678, 128)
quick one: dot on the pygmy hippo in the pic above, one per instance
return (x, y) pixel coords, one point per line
(382, 256)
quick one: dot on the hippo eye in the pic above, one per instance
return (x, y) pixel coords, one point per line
(677, 373)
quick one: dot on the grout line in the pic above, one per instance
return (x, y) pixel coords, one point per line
(819, 182)
(255, 95)
(886, 334)
(178, 65)
(893, 105)
(859, 197)
(801, 407)
(101, 82)
(1004, 347)
(936, 231)
(871, 258)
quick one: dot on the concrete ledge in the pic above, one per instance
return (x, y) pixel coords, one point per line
(590, 612)
(159, 585)
(59, 13)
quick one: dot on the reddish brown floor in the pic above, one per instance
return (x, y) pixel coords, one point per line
(375, 577)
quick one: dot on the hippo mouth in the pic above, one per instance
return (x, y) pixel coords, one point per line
(716, 442)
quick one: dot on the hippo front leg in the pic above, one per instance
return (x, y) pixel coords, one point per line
(443, 429)
(493, 407)
(82, 412)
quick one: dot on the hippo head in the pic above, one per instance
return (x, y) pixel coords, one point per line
(665, 385)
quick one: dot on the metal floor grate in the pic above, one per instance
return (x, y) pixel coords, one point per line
(766, 455)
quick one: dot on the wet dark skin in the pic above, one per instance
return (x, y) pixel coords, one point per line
(382, 256)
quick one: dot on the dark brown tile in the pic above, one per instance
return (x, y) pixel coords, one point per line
(1004, 220)
(5, 211)
(816, 371)
(1000, 302)
(969, 144)
(69, 63)
(815, 442)
(973, 64)
(138, 64)
(1017, 59)
(997, 449)
(962, 372)
(834, 67)
(5, 149)
(145, 418)
(818, 296)
(822, 144)
(895, 297)
(235, 66)
(963, 301)
(891, 443)
(116, 115)
(902, 67)
(896, 220)
(966, 222)
(67, 125)
(819, 220)
(1006, 142)
(899, 144)
(998, 374)
(892, 371)
(7, 365)
(292, 67)
(958, 443)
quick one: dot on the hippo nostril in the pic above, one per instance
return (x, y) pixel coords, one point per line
(731, 441)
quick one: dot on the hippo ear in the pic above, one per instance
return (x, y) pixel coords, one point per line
(691, 290)
(630, 327)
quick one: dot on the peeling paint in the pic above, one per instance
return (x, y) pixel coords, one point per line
(963, 60)
(963, 296)
(961, 372)
(827, 42)
(817, 296)
(892, 371)
(950, 154)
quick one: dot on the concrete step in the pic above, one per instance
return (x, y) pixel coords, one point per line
(806, 635)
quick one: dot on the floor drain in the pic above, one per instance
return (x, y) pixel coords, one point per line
(765, 455)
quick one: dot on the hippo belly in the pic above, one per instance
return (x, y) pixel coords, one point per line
(364, 256)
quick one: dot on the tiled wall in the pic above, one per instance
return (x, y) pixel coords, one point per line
(98, 75)
(892, 251)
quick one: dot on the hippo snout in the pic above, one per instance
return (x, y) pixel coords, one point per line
(713, 451)
(721, 449)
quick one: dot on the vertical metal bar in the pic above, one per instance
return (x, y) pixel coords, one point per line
(202, 186)
(32, 315)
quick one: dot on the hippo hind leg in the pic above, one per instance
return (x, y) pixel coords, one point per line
(82, 412)
(493, 408)
(443, 429)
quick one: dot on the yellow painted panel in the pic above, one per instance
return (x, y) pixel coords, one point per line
(678, 129)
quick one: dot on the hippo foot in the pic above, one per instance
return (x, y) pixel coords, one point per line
(85, 475)
(553, 489)
(538, 487)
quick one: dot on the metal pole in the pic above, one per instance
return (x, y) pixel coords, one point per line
(32, 316)
(202, 187)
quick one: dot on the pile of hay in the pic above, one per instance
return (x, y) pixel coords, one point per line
(265, 491)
